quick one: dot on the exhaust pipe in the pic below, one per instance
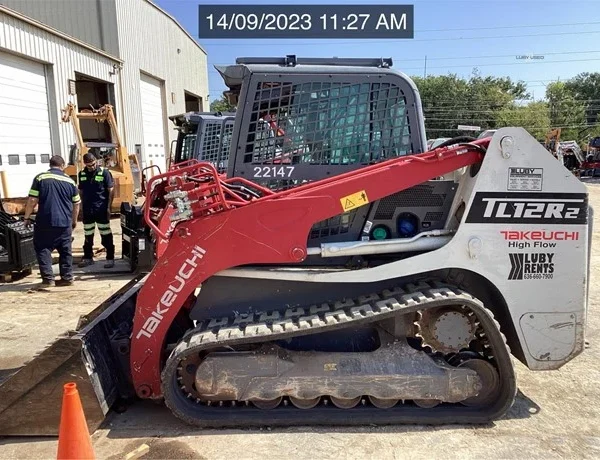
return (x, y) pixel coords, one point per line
(425, 241)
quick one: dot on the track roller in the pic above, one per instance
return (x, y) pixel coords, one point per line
(426, 403)
(344, 403)
(383, 403)
(268, 405)
(304, 403)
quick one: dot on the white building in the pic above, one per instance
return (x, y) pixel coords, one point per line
(128, 53)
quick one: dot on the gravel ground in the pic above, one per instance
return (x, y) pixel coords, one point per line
(556, 414)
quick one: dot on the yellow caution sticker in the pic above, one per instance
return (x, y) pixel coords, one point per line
(355, 200)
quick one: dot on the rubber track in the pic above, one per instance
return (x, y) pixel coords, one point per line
(268, 326)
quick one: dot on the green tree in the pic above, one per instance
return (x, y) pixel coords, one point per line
(449, 101)
(535, 117)
(437, 93)
(585, 87)
(221, 105)
(566, 112)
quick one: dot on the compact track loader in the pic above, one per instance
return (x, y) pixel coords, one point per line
(337, 272)
(203, 136)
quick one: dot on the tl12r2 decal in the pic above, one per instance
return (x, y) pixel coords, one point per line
(528, 208)
(531, 266)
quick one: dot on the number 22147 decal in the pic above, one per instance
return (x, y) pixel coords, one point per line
(273, 172)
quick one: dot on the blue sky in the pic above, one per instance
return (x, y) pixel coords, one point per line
(449, 32)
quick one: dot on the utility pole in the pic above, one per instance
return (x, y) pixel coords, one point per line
(425, 69)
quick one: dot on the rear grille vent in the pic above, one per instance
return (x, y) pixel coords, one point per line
(415, 197)
(333, 226)
(433, 216)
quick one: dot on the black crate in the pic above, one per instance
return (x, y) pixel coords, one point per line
(136, 243)
(17, 242)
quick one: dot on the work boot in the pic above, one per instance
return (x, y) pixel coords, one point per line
(62, 282)
(85, 263)
(109, 264)
(47, 283)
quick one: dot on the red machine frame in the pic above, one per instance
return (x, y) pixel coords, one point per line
(225, 230)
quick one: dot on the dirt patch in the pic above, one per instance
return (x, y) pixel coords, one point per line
(160, 449)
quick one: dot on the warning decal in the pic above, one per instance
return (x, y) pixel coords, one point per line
(355, 200)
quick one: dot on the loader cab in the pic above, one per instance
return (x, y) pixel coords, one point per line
(298, 120)
(303, 119)
(204, 136)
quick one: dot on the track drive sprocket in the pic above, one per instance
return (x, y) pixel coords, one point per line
(446, 329)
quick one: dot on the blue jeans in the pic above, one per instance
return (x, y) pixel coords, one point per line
(46, 240)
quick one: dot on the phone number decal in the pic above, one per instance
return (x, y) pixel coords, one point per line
(306, 21)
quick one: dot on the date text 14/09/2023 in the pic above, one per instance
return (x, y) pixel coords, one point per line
(306, 21)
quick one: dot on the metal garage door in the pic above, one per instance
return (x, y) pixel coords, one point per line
(25, 146)
(153, 122)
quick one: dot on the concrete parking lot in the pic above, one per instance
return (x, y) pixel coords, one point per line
(556, 414)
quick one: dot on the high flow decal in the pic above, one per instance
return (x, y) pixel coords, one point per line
(531, 265)
(528, 208)
(524, 179)
(537, 238)
(537, 235)
(170, 294)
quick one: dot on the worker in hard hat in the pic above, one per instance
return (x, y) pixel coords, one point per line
(96, 187)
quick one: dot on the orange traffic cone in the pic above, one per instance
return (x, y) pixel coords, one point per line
(73, 435)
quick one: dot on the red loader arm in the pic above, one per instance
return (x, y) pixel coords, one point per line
(221, 229)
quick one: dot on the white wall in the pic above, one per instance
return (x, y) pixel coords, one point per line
(63, 58)
(149, 41)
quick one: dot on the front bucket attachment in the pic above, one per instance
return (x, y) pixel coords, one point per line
(95, 356)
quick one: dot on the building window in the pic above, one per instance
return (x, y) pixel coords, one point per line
(30, 159)
(45, 158)
(193, 103)
(13, 160)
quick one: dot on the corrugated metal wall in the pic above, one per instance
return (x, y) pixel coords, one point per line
(64, 58)
(91, 21)
(151, 42)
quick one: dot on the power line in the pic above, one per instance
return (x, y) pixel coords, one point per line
(591, 125)
(567, 119)
(476, 104)
(490, 56)
(475, 107)
(449, 104)
(523, 26)
(504, 110)
(527, 26)
(391, 41)
(453, 101)
(507, 63)
(526, 82)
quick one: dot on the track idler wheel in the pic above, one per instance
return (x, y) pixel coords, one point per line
(304, 403)
(490, 382)
(269, 404)
(344, 403)
(383, 403)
